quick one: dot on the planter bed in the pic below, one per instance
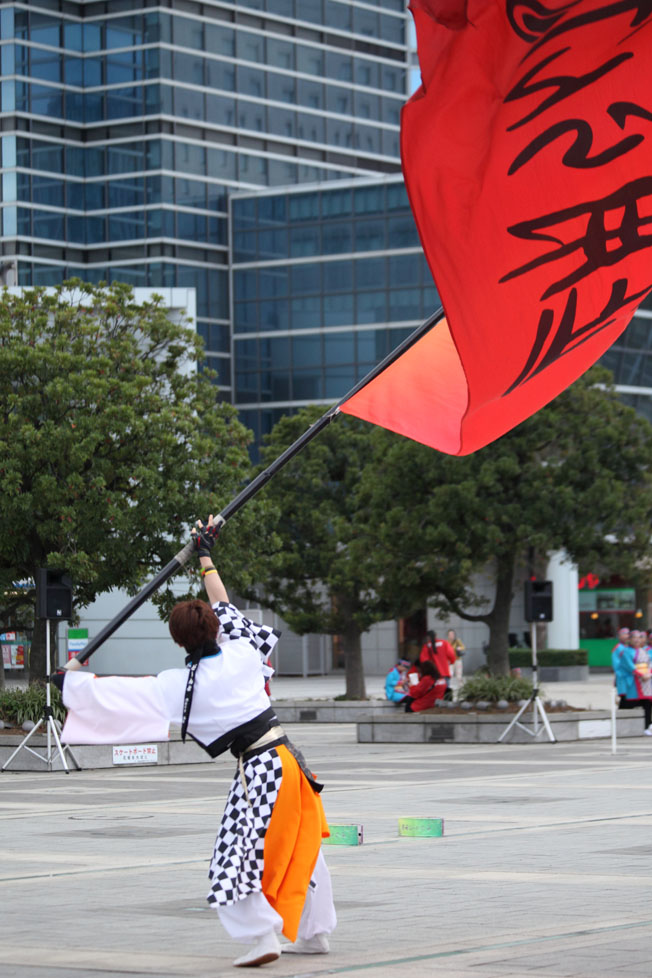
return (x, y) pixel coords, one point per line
(377, 722)
(432, 727)
(354, 711)
(331, 711)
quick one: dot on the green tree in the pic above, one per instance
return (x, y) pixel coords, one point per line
(110, 442)
(575, 476)
(324, 576)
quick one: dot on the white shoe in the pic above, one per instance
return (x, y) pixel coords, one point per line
(312, 945)
(266, 949)
(648, 732)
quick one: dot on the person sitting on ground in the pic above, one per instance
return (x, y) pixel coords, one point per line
(396, 682)
(431, 687)
(633, 678)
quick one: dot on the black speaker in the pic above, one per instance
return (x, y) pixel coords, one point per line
(538, 601)
(53, 594)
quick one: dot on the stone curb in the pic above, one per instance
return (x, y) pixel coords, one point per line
(474, 729)
(94, 756)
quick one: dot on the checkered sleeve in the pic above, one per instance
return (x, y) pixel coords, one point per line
(234, 625)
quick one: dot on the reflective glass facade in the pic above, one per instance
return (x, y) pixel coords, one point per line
(125, 127)
(326, 282)
(630, 360)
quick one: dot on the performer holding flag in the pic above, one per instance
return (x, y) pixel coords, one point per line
(267, 873)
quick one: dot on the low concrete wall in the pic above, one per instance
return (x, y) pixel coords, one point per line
(558, 674)
(92, 756)
(332, 711)
(377, 722)
(475, 729)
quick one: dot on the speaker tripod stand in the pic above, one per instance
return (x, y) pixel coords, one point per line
(51, 725)
(534, 702)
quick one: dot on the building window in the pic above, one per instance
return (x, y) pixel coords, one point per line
(305, 279)
(305, 312)
(371, 307)
(338, 309)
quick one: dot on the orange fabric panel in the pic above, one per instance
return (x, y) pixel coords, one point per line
(422, 395)
(292, 842)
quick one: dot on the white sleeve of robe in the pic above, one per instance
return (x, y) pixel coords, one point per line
(114, 710)
(229, 691)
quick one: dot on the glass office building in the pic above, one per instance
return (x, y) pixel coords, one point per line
(326, 281)
(329, 279)
(126, 126)
(630, 360)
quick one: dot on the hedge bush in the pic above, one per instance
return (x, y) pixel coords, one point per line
(549, 657)
(18, 705)
(494, 688)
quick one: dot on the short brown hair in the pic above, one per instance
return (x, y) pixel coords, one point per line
(192, 623)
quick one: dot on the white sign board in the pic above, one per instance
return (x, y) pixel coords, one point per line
(136, 754)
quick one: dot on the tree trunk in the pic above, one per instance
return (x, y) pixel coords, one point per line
(498, 620)
(355, 685)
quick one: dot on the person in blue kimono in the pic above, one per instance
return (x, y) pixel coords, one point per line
(396, 682)
(632, 675)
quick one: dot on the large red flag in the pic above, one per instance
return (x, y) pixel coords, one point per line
(527, 155)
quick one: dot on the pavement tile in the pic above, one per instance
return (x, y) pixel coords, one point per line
(542, 870)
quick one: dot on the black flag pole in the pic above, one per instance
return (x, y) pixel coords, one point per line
(250, 490)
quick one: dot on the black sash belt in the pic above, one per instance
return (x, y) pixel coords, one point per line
(238, 739)
(241, 738)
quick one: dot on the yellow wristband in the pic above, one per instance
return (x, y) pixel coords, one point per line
(206, 573)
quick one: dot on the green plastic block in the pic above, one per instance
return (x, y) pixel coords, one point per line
(421, 827)
(344, 835)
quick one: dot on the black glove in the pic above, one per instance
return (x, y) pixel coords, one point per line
(204, 538)
(57, 679)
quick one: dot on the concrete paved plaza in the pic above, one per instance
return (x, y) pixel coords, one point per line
(544, 868)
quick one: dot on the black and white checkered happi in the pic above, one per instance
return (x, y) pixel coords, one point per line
(237, 864)
(233, 624)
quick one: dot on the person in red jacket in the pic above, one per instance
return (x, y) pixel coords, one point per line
(440, 652)
(430, 687)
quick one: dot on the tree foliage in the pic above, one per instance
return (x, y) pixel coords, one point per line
(375, 526)
(111, 441)
(323, 578)
(574, 477)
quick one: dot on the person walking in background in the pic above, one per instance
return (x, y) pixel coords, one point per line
(396, 682)
(617, 652)
(631, 664)
(440, 652)
(622, 643)
(643, 674)
(459, 648)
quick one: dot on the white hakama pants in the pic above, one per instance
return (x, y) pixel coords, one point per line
(248, 919)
